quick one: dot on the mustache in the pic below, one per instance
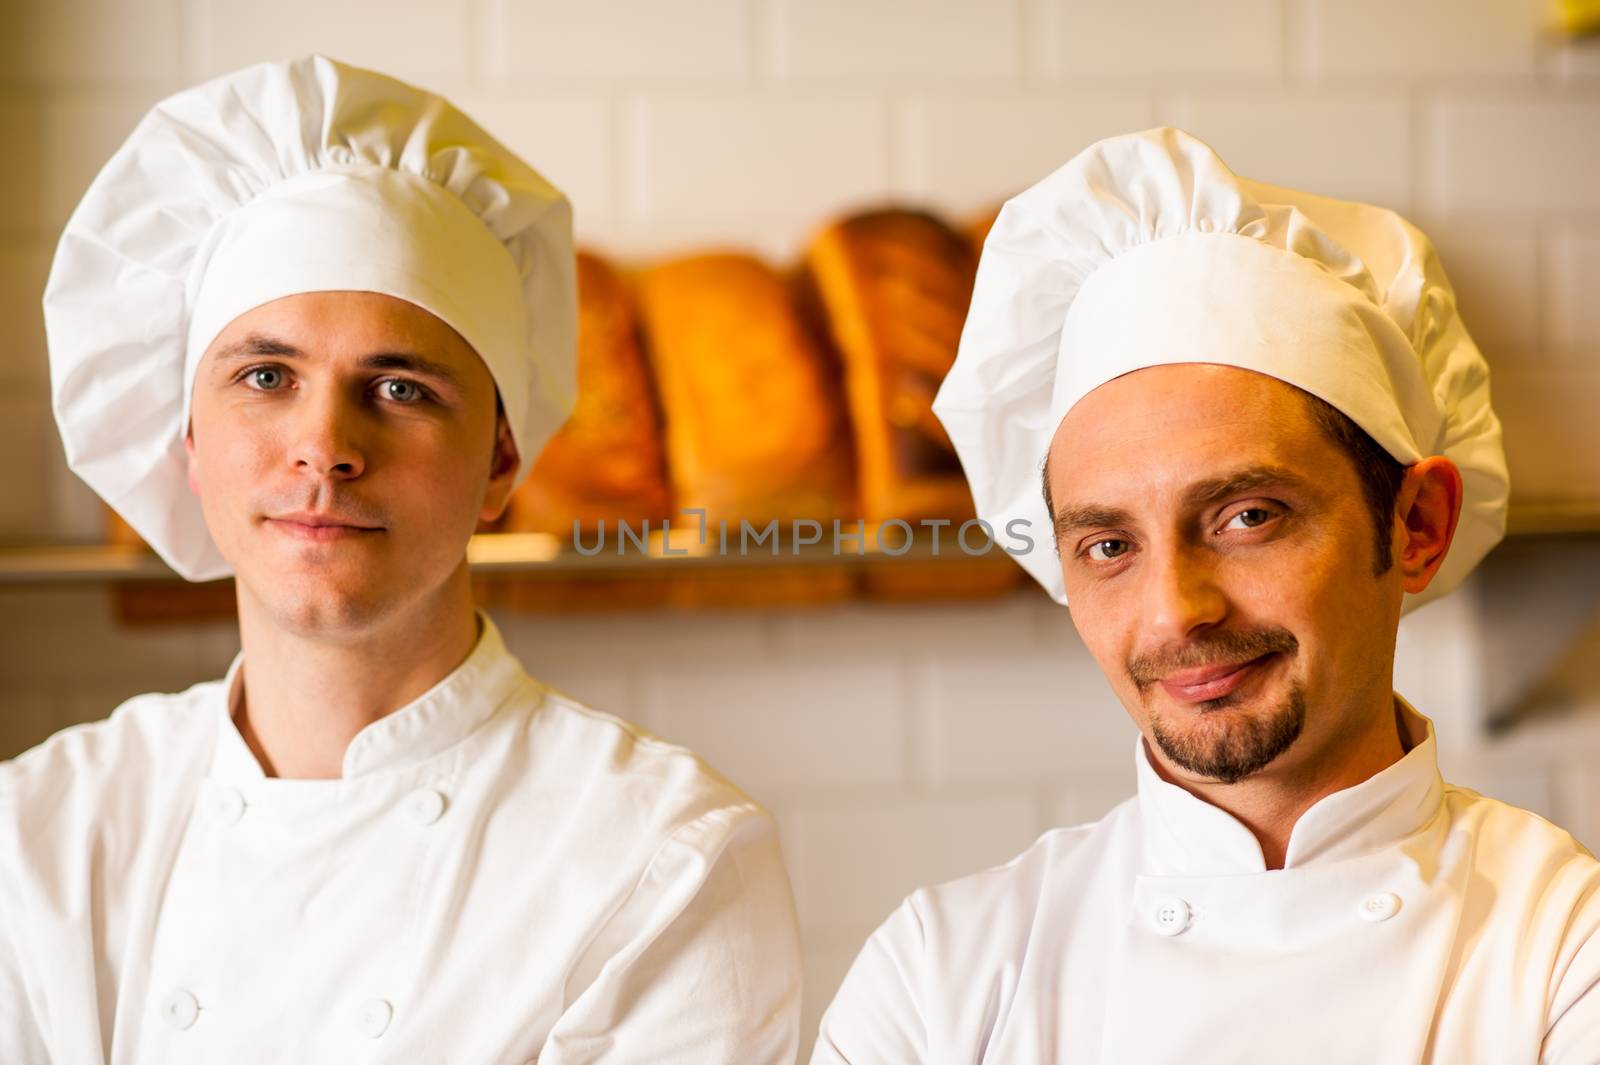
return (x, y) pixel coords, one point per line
(1210, 648)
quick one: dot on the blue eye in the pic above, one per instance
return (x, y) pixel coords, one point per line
(402, 391)
(264, 378)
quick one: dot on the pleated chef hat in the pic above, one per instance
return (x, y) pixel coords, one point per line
(280, 179)
(1147, 250)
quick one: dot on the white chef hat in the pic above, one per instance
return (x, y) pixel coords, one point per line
(280, 179)
(1147, 250)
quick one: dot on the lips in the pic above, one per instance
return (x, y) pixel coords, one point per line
(1212, 682)
(319, 528)
(315, 520)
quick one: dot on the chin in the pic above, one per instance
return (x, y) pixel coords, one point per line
(324, 604)
(1232, 741)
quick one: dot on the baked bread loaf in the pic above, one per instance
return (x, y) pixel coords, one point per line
(894, 287)
(605, 463)
(755, 422)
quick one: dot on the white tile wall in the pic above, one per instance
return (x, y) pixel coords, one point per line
(618, 41)
(427, 41)
(853, 861)
(1437, 665)
(827, 957)
(1525, 153)
(1494, 265)
(1166, 42)
(1571, 275)
(954, 39)
(1548, 414)
(897, 745)
(568, 135)
(1025, 715)
(1353, 144)
(1577, 798)
(964, 153)
(794, 155)
(1420, 40)
(790, 728)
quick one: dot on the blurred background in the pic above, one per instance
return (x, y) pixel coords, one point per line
(904, 723)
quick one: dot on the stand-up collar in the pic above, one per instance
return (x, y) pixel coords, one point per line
(433, 722)
(1187, 836)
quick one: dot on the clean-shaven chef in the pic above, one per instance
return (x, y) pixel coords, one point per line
(1263, 434)
(310, 326)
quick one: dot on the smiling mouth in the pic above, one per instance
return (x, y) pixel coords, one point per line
(1202, 685)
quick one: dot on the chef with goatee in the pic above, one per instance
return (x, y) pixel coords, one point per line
(1255, 429)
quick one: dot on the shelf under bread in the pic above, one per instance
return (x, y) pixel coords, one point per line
(522, 554)
(540, 555)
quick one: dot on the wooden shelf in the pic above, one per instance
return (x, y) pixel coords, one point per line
(1553, 518)
(537, 572)
(526, 554)
(543, 557)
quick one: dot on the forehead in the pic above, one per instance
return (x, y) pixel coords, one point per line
(352, 324)
(1164, 427)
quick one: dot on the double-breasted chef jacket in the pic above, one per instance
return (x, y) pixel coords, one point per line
(500, 876)
(1413, 921)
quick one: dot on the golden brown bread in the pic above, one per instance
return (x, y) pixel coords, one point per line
(606, 462)
(977, 229)
(894, 287)
(755, 422)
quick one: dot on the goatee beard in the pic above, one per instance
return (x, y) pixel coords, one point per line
(1243, 745)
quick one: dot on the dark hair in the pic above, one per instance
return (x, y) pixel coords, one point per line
(1379, 471)
(1380, 474)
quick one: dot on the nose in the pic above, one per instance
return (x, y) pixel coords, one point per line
(1181, 592)
(325, 441)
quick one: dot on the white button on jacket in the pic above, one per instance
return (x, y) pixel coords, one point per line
(500, 875)
(1413, 923)
(1171, 916)
(180, 1009)
(1380, 907)
(424, 806)
(227, 804)
(374, 1018)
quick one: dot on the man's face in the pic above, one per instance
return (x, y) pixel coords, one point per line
(344, 446)
(1219, 563)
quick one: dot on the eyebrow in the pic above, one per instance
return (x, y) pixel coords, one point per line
(257, 345)
(1071, 517)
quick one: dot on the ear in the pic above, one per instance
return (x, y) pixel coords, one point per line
(504, 463)
(1428, 506)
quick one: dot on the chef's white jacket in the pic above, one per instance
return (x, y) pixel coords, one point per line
(500, 876)
(1413, 922)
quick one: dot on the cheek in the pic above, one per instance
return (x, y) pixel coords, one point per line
(448, 485)
(1316, 592)
(222, 451)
